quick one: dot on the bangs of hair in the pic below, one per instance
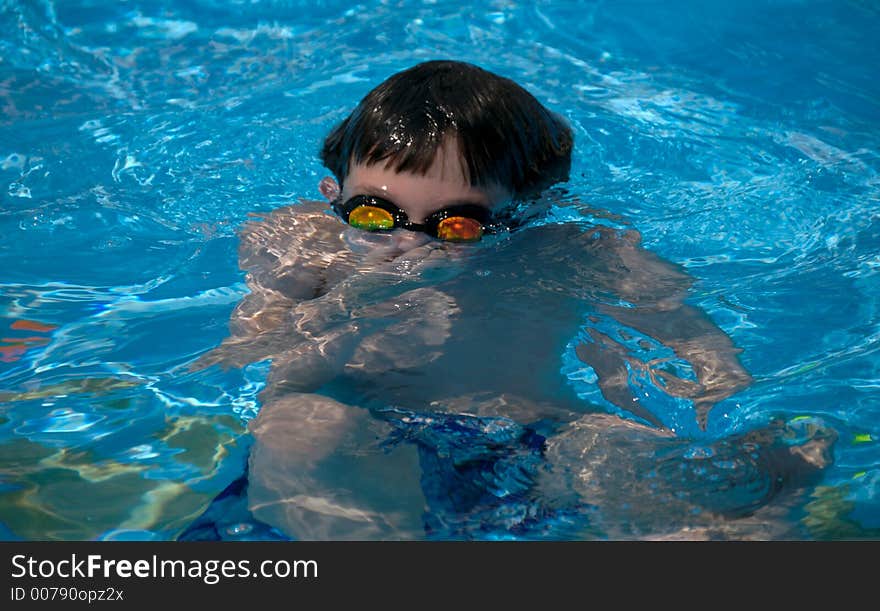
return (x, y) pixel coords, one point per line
(505, 136)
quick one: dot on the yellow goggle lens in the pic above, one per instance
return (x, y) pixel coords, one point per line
(459, 229)
(371, 218)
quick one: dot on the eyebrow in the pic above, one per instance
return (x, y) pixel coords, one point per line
(369, 189)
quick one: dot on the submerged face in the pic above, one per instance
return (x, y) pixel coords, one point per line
(443, 186)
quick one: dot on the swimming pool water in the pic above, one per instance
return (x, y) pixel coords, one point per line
(740, 139)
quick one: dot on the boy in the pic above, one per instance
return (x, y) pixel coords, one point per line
(417, 290)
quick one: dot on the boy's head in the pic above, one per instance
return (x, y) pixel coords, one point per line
(446, 132)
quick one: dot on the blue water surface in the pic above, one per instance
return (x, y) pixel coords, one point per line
(741, 139)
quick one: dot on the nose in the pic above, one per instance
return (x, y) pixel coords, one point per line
(404, 239)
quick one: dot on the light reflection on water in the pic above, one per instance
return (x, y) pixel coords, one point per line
(135, 143)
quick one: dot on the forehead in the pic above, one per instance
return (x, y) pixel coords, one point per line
(445, 182)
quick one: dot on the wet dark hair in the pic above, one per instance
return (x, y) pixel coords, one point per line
(505, 135)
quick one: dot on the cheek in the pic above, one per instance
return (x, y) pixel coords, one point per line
(408, 240)
(417, 211)
(328, 188)
(393, 243)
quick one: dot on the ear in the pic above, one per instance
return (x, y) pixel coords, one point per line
(329, 188)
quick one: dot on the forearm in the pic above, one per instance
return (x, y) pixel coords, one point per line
(696, 339)
(253, 327)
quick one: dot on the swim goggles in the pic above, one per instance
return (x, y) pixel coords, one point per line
(461, 223)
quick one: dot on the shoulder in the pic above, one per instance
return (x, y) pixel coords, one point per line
(274, 233)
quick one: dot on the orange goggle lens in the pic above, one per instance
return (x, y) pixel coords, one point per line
(371, 218)
(459, 229)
